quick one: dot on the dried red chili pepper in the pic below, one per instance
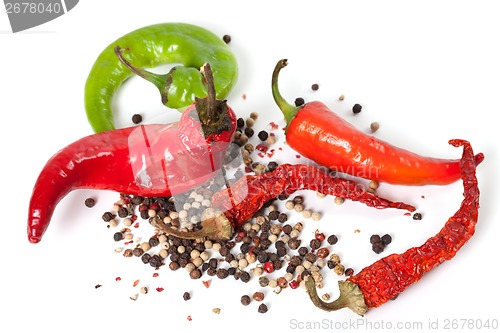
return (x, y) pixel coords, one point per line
(321, 135)
(243, 199)
(389, 276)
(147, 160)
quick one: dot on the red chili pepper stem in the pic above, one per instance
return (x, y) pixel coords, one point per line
(288, 110)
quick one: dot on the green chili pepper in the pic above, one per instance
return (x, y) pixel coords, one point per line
(151, 46)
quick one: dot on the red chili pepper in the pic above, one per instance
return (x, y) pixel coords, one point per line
(147, 160)
(319, 134)
(245, 197)
(389, 276)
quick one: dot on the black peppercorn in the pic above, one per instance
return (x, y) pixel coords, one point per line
(186, 296)
(303, 250)
(245, 300)
(244, 276)
(378, 247)
(118, 236)
(240, 122)
(263, 135)
(271, 166)
(262, 257)
(299, 101)
(262, 308)
(90, 202)
(311, 257)
(108, 216)
(249, 132)
(136, 118)
(282, 217)
(244, 248)
(282, 251)
(222, 273)
(332, 239)
(155, 261)
(145, 258)
(154, 241)
(331, 264)
(417, 216)
(386, 239)
(315, 243)
(374, 239)
(226, 39)
(274, 215)
(356, 108)
(144, 214)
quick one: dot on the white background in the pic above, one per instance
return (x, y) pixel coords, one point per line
(427, 71)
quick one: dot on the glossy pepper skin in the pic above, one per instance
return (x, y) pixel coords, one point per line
(146, 160)
(151, 46)
(386, 278)
(321, 135)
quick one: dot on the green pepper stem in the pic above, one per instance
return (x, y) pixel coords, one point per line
(161, 81)
(288, 110)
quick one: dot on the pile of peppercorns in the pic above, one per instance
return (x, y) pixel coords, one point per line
(380, 242)
(269, 248)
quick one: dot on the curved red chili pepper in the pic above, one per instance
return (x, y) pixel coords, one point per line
(147, 160)
(386, 278)
(243, 199)
(321, 135)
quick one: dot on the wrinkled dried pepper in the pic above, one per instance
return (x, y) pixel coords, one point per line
(238, 203)
(386, 278)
